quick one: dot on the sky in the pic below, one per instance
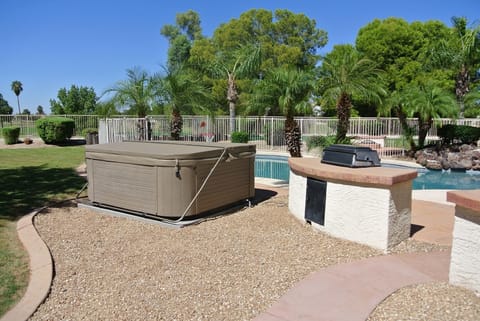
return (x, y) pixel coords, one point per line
(52, 44)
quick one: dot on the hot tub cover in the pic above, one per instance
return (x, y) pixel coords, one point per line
(169, 150)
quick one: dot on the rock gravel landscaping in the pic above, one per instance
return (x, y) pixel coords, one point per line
(229, 268)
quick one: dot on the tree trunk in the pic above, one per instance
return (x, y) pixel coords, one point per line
(293, 137)
(461, 87)
(344, 106)
(232, 97)
(18, 104)
(407, 130)
(423, 128)
(231, 106)
(176, 125)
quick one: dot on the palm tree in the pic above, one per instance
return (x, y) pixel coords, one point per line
(344, 74)
(184, 92)
(465, 56)
(472, 104)
(395, 104)
(428, 102)
(462, 53)
(137, 92)
(236, 65)
(289, 90)
(17, 88)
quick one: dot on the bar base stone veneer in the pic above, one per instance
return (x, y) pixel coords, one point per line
(371, 205)
(465, 258)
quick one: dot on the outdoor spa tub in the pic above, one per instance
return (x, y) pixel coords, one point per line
(162, 179)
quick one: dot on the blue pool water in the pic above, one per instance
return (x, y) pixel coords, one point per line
(276, 167)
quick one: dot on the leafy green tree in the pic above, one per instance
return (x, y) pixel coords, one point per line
(5, 108)
(40, 110)
(472, 104)
(408, 54)
(345, 74)
(106, 109)
(289, 90)
(395, 46)
(247, 61)
(136, 93)
(183, 92)
(283, 39)
(17, 88)
(26, 111)
(75, 101)
(287, 39)
(181, 36)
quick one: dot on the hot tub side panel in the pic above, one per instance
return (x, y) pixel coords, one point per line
(175, 193)
(129, 186)
(230, 183)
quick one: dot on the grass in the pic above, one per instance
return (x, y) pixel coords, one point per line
(29, 179)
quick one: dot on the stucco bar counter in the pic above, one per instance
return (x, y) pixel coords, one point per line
(369, 205)
(465, 259)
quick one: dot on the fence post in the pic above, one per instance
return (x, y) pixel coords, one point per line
(271, 134)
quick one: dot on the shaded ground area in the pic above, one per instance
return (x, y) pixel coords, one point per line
(30, 187)
(29, 179)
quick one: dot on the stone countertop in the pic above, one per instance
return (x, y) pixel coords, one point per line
(312, 167)
(465, 198)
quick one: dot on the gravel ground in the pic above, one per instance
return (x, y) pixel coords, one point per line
(230, 268)
(435, 301)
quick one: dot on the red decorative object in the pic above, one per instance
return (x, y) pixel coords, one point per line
(203, 124)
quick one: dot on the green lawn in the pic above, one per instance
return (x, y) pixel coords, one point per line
(29, 179)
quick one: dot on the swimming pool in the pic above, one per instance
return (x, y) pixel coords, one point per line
(276, 167)
(269, 166)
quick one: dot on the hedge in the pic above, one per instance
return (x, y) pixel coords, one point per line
(55, 130)
(239, 137)
(458, 134)
(11, 134)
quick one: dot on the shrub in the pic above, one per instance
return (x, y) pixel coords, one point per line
(458, 134)
(54, 130)
(319, 141)
(239, 137)
(278, 134)
(11, 134)
(87, 131)
(324, 141)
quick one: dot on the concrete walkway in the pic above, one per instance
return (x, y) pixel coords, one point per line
(351, 291)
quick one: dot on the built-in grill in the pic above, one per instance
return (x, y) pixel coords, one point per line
(350, 156)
